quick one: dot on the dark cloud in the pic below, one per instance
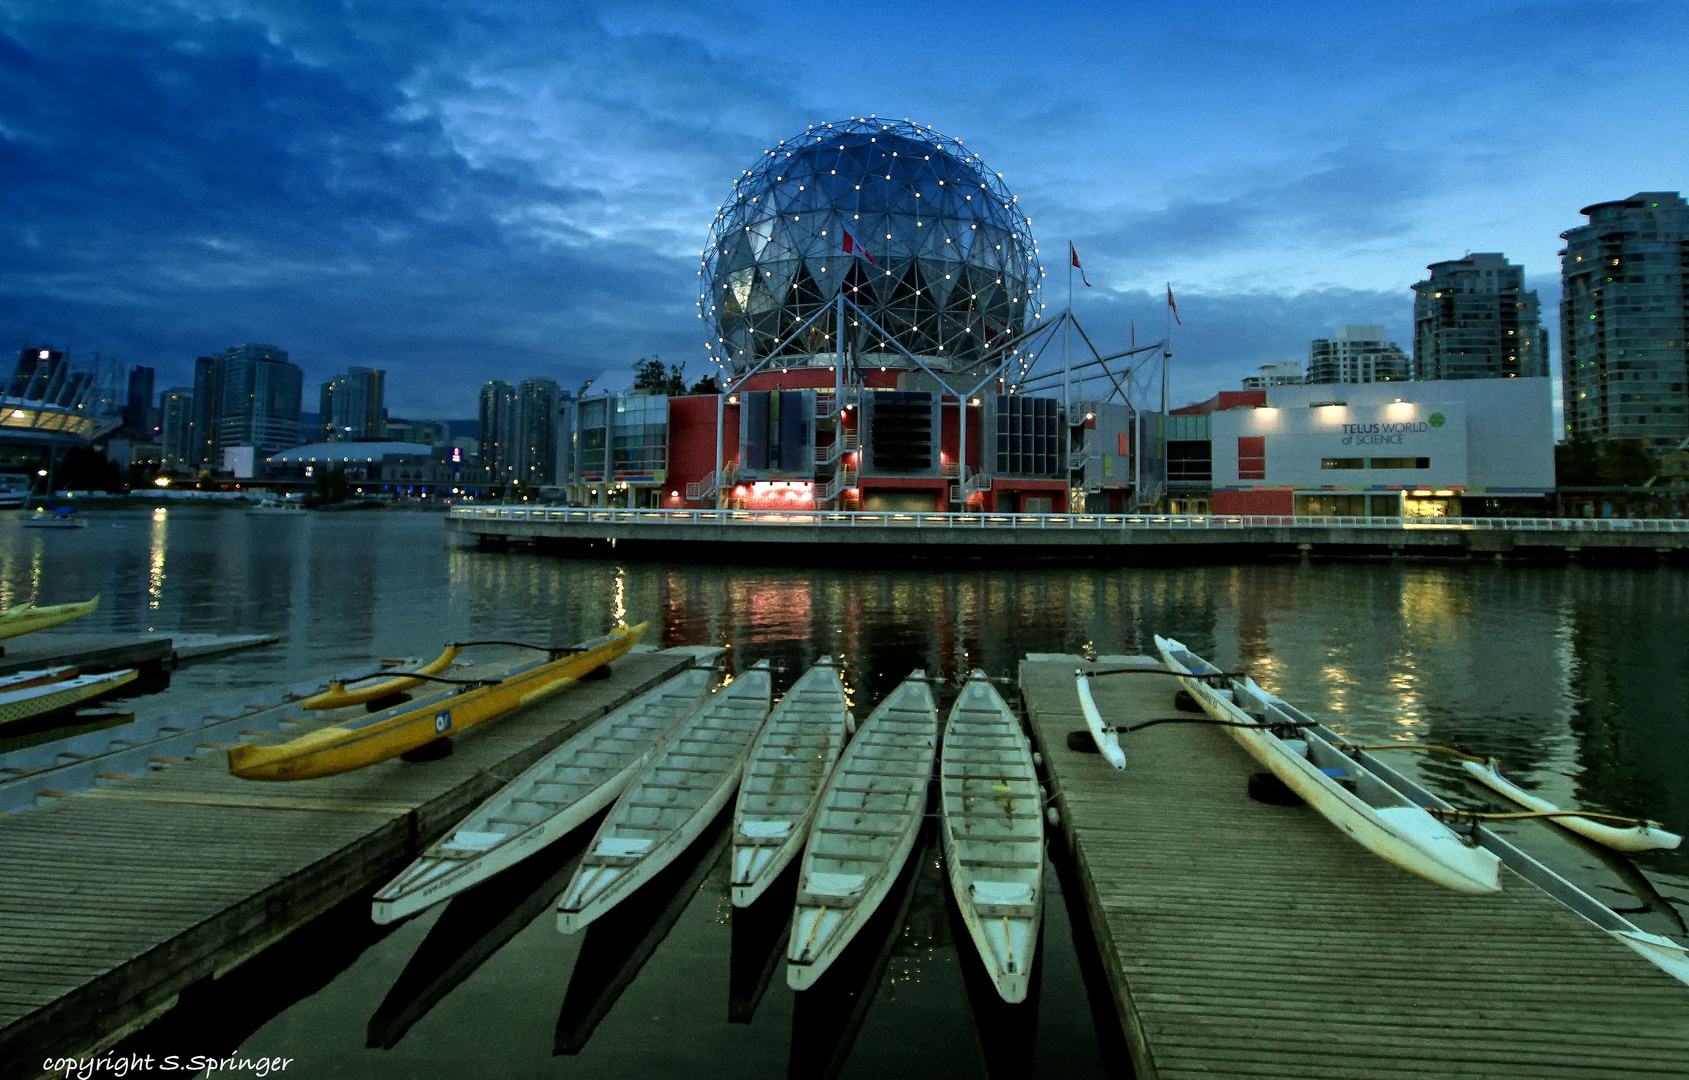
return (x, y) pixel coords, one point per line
(178, 187)
(460, 191)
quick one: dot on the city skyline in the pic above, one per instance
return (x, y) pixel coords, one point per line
(459, 196)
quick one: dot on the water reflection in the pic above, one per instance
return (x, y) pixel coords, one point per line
(827, 1016)
(760, 935)
(618, 944)
(475, 925)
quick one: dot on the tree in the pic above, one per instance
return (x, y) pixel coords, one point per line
(86, 468)
(1582, 462)
(706, 385)
(328, 486)
(652, 377)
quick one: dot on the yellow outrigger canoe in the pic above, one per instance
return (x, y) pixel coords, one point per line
(26, 617)
(337, 696)
(30, 700)
(379, 736)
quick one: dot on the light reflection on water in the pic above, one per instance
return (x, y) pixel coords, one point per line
(1575, 677)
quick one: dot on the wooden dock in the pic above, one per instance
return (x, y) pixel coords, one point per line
(117, 899)
(1247, 940)
(91, 652)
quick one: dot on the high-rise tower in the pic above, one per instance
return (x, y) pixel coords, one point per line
(1473, 318)
(497, 430)
(257, 399)
(1624, 315)
(1357, 354)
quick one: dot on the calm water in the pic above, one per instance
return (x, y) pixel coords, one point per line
(1576, 678)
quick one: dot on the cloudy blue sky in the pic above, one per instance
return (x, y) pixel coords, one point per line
(466, 191)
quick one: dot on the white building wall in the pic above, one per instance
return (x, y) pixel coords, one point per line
(1480, 435)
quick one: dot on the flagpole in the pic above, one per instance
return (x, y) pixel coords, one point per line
(1067, 332)
(1161, 421)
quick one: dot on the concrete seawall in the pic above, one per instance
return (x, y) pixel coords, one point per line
(740, 534)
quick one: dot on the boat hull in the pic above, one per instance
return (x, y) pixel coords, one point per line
(785, 789)
(883, 775)
(27, 617)
(993, 830)
(443, 872)
(432, 880)
(357, 745)
(657, 818)
(44, 698)
(836, 928)
(611, 890)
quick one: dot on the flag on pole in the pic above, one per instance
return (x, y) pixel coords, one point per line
(853, 246)
(1173, 304)
(1073, 253)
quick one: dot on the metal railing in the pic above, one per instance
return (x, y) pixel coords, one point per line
(702, 489)
(845, 444)
(844, 478)
(1050, 522)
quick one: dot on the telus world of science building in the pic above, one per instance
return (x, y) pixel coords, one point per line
(871, 296)
(870, 293)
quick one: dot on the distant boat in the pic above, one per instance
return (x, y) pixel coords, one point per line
(14, 491)
(27, 617)
(59, 517)
(277, 508)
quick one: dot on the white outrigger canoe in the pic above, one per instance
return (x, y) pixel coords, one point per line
(552, 798)
(1106, 738)
(1373, 813)
(681, 790)
(993, 831)
(789, 766)
(1648, 836)
(871, 814)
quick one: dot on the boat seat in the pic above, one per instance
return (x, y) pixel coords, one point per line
(765, 830)
(820, 883)
(1002, 892)
(464, 840)
(622, 845)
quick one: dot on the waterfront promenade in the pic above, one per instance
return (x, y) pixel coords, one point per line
(1071, 536)
(120, 898)
(1248, 940)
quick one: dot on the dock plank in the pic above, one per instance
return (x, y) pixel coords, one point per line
(1248, 940)
(120, 897)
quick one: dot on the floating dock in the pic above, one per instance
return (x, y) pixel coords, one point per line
(1247, 940)
(118, 899)
(92, 653)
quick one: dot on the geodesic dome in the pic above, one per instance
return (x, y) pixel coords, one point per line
(926, 240)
